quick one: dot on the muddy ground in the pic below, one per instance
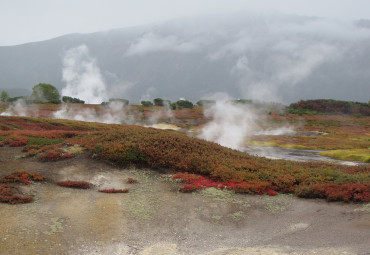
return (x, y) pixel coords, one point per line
(153, 218)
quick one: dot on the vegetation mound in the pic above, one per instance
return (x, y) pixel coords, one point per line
(160, 149)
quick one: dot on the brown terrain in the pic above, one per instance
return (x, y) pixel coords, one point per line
(154, 218)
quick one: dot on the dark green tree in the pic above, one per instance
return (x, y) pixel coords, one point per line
(72, 100)
(158, 101)
(146, 103)
(43, 93)
(184, 104)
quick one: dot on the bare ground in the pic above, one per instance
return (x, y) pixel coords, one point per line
(153, 218)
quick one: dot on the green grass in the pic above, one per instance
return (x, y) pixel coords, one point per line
(362, 155)
(2, 137)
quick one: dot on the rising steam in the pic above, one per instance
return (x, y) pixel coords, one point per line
(230, 124)
(82, 76)
(20, 108)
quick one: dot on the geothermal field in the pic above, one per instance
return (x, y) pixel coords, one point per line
(158, 181)
(180, 127)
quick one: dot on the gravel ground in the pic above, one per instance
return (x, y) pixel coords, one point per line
(153, 218)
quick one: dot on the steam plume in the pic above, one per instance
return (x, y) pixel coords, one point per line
(82, 76)
(230, 124)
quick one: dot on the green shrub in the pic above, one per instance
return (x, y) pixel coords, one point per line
(146, 103)
(71, 100)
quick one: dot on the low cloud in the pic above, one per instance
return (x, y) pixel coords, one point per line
(151, 42)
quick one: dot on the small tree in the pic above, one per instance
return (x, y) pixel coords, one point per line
(158, 101)
(185, 104)
(72, 100)
(173, 106)
(4, 96)
(43, 93)
(146, 103)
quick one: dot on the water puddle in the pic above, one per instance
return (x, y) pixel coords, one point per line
(295, 155)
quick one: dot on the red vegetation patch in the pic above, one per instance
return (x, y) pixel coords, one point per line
(188, 188)
(197, 182)
(21, 176)
(114, 190)
(47, 152)
(8, 196)
(49, 134)
(214, 165)
(53, 152)
(16, 140)
(74, 184)
(131, 180)
(336, 192)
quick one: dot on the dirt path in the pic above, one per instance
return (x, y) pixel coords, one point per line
(153, 218)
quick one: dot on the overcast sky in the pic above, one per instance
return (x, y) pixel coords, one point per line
(23, 21)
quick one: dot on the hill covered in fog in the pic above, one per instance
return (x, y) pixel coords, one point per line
(279, 58)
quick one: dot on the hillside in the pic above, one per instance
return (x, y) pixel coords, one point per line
(278, 58)
(208, 164)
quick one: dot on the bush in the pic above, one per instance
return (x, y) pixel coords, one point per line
(74, 184)
(336, 192)
(72, 100)
(131, 180)
(47, 152)
(146, 103)
(8, 196)
(21, 176)
(187, 188)
(114, 190)
(185, 104)
(16, 140)
(158, 101)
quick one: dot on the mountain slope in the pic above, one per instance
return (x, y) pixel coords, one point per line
(281, 58)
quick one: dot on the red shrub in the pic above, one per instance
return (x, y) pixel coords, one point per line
(271, 192)
(7, 196)
(284, 183)
(51, 152)
(74, 184)
(114, 190)
(256, 187)
(16, 140)
(188, 188)
(131, 180)
(22, 176)
(336, 192)
(186, 177)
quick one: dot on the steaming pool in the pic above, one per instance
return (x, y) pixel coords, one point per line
(294, 154)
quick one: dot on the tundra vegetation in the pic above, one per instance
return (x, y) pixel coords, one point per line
(200, 164)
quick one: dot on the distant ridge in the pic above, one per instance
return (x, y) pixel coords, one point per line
(279, 58)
